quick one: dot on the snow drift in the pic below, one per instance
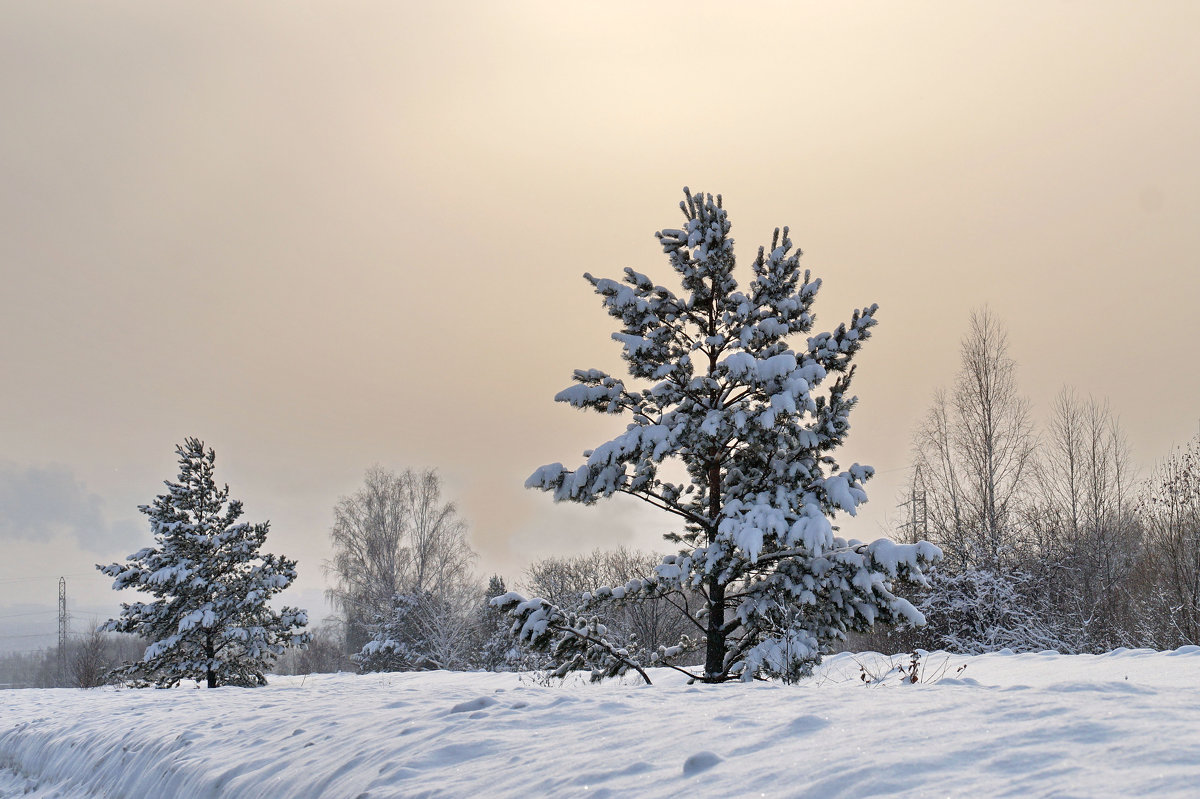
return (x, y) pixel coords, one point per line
(1038, 724)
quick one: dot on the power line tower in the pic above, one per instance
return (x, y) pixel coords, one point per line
(916, 510)
(63, 623)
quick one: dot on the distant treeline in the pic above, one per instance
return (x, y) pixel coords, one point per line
(85, 662)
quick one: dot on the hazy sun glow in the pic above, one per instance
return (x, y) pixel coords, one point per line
(323, 236)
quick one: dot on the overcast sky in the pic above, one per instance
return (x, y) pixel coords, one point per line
(321, 236)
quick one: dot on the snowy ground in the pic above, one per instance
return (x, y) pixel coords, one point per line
(1122, 724)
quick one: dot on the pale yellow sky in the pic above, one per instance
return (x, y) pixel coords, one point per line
(321, 236)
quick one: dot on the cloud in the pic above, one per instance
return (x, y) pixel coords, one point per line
(38, 503)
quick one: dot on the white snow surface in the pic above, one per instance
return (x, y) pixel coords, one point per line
(1120, 724)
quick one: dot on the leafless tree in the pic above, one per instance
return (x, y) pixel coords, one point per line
(935, 502)
(563, 580)
(993, 434)
(1062, 465)
(325, 653)
(89, 658)
(1084, 522)
(89, 663)
(1170, 512)
(395, 535)
(974, 452)
(1057, 523)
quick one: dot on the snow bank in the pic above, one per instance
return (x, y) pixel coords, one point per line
(1116, 724)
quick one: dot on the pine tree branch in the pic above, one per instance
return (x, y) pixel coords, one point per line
(661, 503)
(605, 645)
(684, 611)
(729, 402)
(679, 669)
(741, 646)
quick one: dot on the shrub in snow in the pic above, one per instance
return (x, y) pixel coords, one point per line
(324, 654)
(1170, 509)
(982, 610)
(209, 620)
(424, 630)
(748, 421)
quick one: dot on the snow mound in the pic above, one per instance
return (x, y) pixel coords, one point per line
(478, 703)
(701, 761)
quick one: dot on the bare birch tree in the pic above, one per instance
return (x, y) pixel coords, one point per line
(1083, 522)
(395, 535)
(936, 510)
(974, 452)
(1062, 469)
(88, 664)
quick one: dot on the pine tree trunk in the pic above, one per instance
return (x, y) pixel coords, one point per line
(210, 653)
(714, 652)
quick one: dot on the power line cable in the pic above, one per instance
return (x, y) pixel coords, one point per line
(5, 580)
(31, 613)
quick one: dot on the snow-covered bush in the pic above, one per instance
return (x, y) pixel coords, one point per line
(398, 643)
(981, 610)
(749, 418)
(210, 620)
(424, 630)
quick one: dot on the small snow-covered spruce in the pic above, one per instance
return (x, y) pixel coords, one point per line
(497, 650)
(732, 399)
(209, 620)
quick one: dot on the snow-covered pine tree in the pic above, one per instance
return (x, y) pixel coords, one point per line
(731, 401)
(497, 649)
(210, 620)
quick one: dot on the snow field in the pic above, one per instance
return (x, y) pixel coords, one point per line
(1122, 724)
